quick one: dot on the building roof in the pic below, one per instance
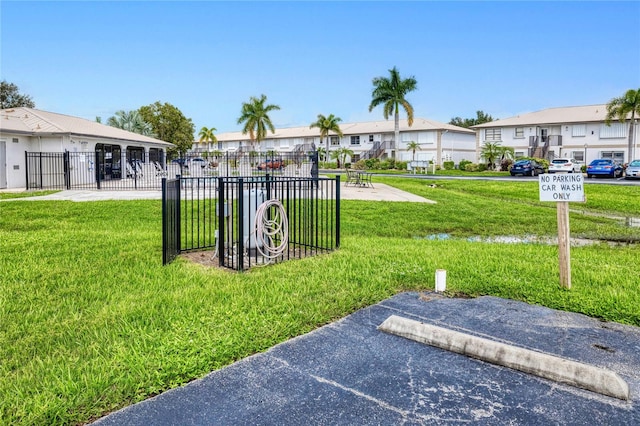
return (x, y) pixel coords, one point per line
(35, 122)
(563, 115)
(386, 126)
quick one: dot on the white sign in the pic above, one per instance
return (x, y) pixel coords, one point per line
(561, 187)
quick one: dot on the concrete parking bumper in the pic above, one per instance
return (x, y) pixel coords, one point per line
(543, 365)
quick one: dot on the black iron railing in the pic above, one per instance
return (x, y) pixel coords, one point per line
(136, 170)
(244, 221)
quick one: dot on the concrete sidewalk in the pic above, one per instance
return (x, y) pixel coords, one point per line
(349, 372)
(380, 192)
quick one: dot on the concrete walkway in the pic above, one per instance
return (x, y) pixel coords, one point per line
(380, 192)
(351, 373)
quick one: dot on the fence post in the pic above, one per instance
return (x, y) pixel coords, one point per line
(26, 168)
(337, 211)
(240, 220)
(221, 217)
(97, 155)
(40, 168)
(67, 169)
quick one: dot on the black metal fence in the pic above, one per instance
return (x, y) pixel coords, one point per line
(131, 170)
(170, 220)
(245, 221)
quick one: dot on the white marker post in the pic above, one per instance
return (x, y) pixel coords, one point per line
(562, 188)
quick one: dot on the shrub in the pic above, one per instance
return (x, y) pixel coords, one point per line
(401, 165)
(505, 164)
(448, 165)
(470, 167)
(462, 165)
(372, 163)
(482, 167)
(359, 165)
(387, 164)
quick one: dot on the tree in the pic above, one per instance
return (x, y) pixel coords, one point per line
(412, 146)
(206, 135)
(10, 97)
(131, 121)
(491, 151)
(620, 108)
(340, 155)
(322, 153)
(391, 94)
(255, 116)
(169, 124)
(326, 125)
(481, 117)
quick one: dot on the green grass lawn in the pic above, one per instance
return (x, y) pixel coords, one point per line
(90, 320)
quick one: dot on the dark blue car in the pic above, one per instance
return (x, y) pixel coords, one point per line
(604, 167)
(526, 168)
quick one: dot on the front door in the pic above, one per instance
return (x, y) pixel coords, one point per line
(3, 164)
(544, 135)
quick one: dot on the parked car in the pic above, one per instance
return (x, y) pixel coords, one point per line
(564, 165)
(633, 170)
(526, 167)
(271, 164)
(604, 167)
(201, 161)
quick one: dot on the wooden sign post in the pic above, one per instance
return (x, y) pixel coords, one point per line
(562, 189)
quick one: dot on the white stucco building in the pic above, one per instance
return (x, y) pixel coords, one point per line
(578, 132)
(25, 130)
(438, 141)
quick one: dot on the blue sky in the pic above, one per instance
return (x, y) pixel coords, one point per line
(91, 59)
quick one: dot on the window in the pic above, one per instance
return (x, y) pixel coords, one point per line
(617, 156)
(492, 135)
(578, 155)
(15, 140)
(578, 130)
(135, 153)
(335, 140)
(355, 140)
(616, 130)
(370, 138)
(519, 133)
(155, 154)
(518, 154)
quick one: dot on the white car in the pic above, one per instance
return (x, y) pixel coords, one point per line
(633, 170)
(565, 165)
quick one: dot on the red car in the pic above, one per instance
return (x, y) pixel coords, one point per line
(271, 164)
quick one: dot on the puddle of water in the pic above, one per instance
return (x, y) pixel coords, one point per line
(632, 222)
(528, 239)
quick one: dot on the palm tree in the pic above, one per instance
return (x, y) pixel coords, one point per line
(620, 108)
(131, 121)
(493, 150)
(412, 146)
(322, 153)
(390, 93)
(206, 135)
(340, 155)
(255, 116)
(326, 125)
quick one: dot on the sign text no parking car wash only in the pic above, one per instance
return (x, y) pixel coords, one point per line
(562, 188)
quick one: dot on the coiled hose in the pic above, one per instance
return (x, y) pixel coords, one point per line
(269, 231)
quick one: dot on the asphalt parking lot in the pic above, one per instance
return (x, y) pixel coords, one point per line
(351, 373)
